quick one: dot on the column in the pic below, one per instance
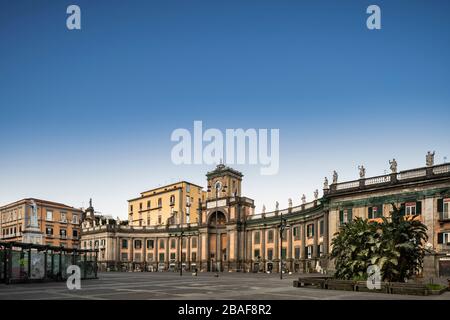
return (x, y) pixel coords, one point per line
(131, 250)
(167, 255)
(263, 246)
(144, 258)
(316, 239)
(326, 237)
(303, 246)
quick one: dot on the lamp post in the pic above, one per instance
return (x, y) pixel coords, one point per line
(180, 256)
(282, 227)
(180, 251)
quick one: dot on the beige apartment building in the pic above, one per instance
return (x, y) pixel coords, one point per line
(177, 203)
(56, 224)
(230, 236)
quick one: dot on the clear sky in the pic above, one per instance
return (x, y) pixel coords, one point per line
(89, 113)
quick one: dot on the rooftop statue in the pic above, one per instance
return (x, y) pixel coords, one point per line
(325, 183)
(393, 164)
(362, 172)
(430, 159)
(335, 177)
(316, 194)
(303, 199)
(290, 203)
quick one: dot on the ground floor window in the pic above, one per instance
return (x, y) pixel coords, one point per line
(256, 254)
(270, 254)
(297, 253)
(444, 238)
(309, 252)
(161, 257)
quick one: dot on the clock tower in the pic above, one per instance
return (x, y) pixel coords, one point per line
(223, 214)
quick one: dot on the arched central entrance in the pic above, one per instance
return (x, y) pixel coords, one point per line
(218, 241)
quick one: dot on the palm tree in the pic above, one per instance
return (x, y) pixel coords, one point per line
(395, 245)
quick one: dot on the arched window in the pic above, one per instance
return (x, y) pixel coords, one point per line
(221, 219)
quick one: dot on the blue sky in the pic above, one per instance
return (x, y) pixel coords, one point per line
(89, 113)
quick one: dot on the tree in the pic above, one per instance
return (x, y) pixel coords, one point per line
(395, 245)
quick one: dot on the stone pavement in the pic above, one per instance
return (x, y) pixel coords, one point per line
(168, 285)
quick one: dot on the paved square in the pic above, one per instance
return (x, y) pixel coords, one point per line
(168, 285)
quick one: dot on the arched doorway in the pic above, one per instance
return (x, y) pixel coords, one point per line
(218, 241)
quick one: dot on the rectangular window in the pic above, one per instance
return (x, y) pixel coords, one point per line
(172, 256)
(159, 219)
(297, 253)
(172, 244)
(345, 216)
(124, 244)
(63, 233)
(188, 187)
(310, 230)
(137, 257)
(150, 244)
(183, 243)
(75, 233)
(444, 238)
(269, 254)
(446, 209)
(140, 206)
(296, 232)
(270, 236)
(321, 227)
(131, 208)
(137, 244)
(150, 256)
(161, 257)
(49, 231)
(309, 251)
(194, 243)
(49, 216)
(194, 256)
(124, 256)
(320, 250)
(159, 202)
(256, 254)
(257, 237)
(74, 219)
(161, 244)
(410, 208)
(283, 253)
(148, 204)
(63, 217)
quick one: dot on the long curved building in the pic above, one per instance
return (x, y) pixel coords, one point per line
(180, 225)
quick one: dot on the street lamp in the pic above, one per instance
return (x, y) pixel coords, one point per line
(282, 226)
(180, 251)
